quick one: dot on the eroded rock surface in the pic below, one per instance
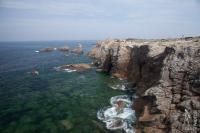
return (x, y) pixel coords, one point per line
(167, 69)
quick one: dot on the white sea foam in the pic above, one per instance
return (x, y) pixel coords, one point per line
(111, 124)
(69, 70)
(126, 101)
(37, 51)
(65, 70)
(118, 87)
(116, 117)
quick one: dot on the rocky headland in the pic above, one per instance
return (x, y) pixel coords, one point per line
(165, 74)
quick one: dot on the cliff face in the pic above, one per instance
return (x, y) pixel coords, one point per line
(167, 70)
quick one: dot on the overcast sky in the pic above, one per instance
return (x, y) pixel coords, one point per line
(97, 19)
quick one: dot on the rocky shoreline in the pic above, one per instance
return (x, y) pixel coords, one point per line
(166, 75)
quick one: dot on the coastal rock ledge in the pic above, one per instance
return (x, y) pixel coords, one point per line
(166, 75)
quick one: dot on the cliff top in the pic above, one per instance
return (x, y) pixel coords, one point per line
(156, 46)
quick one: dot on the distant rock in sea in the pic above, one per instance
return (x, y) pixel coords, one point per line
(63, 49)
(34, 72)
(78, 49)
(47, 49)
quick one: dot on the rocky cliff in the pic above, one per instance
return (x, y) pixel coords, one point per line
(165, 73)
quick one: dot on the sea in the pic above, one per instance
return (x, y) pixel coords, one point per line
(52, 101)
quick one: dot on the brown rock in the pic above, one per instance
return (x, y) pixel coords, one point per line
(47, 50)
(78, 49)
(74, 67)
(63, 49)
(166, 69)
(173, 106)
(146, 117)
(120, 75)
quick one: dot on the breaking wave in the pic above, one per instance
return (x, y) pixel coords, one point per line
(64, 70)
(118, 87)
(119, 115)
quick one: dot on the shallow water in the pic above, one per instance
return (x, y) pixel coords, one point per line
(52, 102)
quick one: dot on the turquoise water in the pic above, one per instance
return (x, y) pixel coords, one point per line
(52, 102)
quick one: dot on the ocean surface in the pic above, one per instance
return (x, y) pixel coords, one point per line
(51, 102)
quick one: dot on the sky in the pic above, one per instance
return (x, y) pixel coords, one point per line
(27, 20)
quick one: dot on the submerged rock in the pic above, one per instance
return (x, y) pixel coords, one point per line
(66, 124)
(99, 126)
(74, 67)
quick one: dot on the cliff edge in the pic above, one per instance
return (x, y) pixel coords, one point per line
(165, 70)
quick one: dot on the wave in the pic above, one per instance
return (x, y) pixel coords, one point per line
(118, 116)
(118, 87)
(64, 70)
(69, 70)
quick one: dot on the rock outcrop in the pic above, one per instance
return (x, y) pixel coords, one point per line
(64, 49)
(74, 67)
(47, 49)
(168, 70)
(78, 49)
